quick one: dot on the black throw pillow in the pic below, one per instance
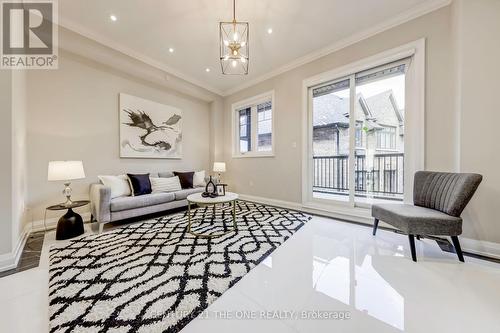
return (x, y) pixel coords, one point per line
(140, 184)
(186, 178)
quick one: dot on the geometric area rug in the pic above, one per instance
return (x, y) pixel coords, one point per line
(154, 276)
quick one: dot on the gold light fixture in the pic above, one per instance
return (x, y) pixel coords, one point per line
(234, 48)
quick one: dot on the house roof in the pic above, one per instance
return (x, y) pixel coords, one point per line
(380, 109)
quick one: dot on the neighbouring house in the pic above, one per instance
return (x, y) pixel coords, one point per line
(379, 124)
(379, 142)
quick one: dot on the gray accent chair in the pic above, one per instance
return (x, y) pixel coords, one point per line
(438, 201)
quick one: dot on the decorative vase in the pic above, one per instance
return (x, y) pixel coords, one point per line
(210, 187)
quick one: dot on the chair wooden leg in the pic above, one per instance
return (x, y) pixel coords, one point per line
(375, 226)
(418, 237)
(412, 247)
(458, 249)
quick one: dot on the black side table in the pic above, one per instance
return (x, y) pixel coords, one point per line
(70, 224)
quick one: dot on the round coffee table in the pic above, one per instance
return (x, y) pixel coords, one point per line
(70, 224)
(196, 198)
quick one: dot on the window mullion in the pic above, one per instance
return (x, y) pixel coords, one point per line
(254, 130)
(352, 138)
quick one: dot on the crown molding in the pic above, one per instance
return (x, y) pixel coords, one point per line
(70, 25)
(423, 9)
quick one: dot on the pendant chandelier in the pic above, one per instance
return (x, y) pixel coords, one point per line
(234, 48)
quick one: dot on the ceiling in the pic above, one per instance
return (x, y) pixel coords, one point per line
(146, 29)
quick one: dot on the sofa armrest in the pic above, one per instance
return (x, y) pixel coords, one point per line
(100, 201)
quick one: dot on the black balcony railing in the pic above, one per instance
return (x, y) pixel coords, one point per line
(383, 175)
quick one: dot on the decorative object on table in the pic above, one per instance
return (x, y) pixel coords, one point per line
(210, 189)
(65, 171)
(221, 189)
(149, 129)
(107, 287)
(219, 167)
(186, 178)
(234, 46)
(139, 183)
(438, 201)
(70, 224)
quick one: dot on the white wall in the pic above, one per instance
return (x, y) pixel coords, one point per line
(279, 177)
(478, 72)
(73, 115)
(13, 165)
(5, 165)
(19, 166)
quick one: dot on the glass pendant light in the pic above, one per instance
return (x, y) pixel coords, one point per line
(234, 46)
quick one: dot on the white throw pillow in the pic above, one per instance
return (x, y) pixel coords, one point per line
(171, 184)
(199, 179)
(119, 185)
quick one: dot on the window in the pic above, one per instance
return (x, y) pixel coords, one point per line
(386, 138)
(264, 126)
(253, 121)
(359, 134)
(245, 130)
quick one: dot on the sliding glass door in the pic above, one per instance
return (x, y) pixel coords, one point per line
(358, 136)
(330, 146)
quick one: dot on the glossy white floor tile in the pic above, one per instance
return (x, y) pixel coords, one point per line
(329, 268)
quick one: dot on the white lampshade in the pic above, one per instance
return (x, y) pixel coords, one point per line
(219, 167)
(65, 170)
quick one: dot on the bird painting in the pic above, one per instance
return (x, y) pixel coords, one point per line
(149, 129)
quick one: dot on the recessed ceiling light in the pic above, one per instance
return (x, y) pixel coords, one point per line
(270, 30)
(171, 50)
(207, 69)
(113, 17)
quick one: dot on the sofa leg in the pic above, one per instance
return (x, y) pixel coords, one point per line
(458, 249)
(412, 247)
(101, 226)
(375, 226)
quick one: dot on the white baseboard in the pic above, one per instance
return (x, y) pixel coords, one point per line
(10, 260)
(51, 223)
(483, 248)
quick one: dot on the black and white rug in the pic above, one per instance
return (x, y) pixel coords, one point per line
(153, 276)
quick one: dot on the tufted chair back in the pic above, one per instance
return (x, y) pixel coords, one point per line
(444, 191)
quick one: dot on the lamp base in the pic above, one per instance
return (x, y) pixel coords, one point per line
(69, 225)
(67, 192)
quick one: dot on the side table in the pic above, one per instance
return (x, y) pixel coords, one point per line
(70, 224)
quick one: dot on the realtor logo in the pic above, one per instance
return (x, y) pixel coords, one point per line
(29, 35)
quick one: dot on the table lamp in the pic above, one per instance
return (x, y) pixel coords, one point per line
(219, 167)
(65, 171)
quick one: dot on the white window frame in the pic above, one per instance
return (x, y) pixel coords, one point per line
(414, 126)
(252, 103)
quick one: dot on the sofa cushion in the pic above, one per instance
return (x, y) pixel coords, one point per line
(182, 194)
(171, 184)
(186, 178)
(199, 179)
(119, 185)
(139, 183)
(126, 203)
(166, 174)
(417, 220)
